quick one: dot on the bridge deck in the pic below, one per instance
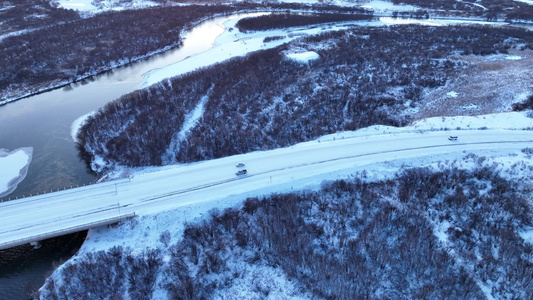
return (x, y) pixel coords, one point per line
(47, 215)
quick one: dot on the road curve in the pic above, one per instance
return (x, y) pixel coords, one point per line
(43, 216)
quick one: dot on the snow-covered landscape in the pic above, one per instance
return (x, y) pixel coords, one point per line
(384, 167)
(147, 228)
(439, 207)
(233, 43)
(99, 6)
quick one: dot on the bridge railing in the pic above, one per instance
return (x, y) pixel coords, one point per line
(5, 198)
(55, 233)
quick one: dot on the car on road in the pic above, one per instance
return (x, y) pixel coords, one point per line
(239, 165)
(453, 138)
(241, 172)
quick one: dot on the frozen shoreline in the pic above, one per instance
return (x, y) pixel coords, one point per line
(14, 165)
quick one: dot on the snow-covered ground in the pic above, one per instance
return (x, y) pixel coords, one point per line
(386, 6)
(89, 5)
(230, 43)
(76, 125)
(233, 43)
(302, 57)
(14, 167)
(379, 6)
(146, 230)
(104, 5)
(530, 2)
(190, 122)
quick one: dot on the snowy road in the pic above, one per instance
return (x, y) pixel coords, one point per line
(55, 213)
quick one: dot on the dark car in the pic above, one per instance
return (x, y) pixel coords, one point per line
(241, 172)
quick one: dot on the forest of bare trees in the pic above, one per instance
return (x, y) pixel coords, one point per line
(364, 76)
(66, 52)
(23, 15)
(492, 10)
(441, 233)
(59, 47)
(291, 20)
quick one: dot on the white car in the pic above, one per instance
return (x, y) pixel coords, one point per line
(239, 165)
(453, 138)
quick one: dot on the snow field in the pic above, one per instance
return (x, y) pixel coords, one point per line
(303, 57)
(233, 43)
(148, 230)
(149, 227)
(89, 5)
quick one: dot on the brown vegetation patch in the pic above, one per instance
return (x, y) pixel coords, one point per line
(487, 84)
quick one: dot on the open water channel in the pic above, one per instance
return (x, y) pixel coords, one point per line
(44, 122)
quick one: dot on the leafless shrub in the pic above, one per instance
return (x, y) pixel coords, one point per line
(273, 38)
(165, 238)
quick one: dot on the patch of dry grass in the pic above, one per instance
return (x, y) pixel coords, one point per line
(488, 84)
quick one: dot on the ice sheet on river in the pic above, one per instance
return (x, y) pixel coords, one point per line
(13, 168)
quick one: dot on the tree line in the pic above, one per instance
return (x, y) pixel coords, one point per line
(29, 14)
(491, 10)
(284, 20)
(67, 52)
(63, 48)
(364, 76)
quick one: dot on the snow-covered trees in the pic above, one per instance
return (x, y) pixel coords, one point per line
(68, 51)
(364, 76)
(524, 105)
(20, 15)
(491, 10)
(455, 234)
(353, 239)
(291, 20)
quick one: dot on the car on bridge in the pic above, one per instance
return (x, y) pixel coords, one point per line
(453, 138)
(241, 172)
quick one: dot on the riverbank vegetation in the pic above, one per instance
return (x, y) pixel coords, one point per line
(59, 47)
(364, 76)
(47, 46)
(53, 55)
(285, 20)
(425, 233)
(24, 15)
(525, 105)
(491, 10)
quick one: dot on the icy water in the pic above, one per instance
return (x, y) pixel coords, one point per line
(44, 122)
(23, 269)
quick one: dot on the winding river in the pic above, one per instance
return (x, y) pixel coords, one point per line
(44, 122)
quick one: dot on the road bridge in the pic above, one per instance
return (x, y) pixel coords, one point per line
(48, 215)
